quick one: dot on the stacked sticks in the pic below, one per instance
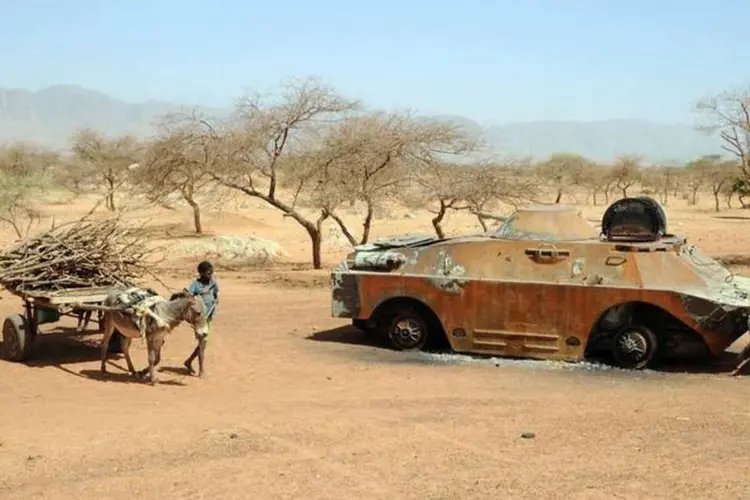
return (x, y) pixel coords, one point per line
(79, 255)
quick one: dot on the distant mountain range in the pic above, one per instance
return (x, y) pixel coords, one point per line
(49, 116)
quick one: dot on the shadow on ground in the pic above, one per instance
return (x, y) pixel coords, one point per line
(122, 377)
(65, 346)
(383, 352)
(732, 217)
(351, 336)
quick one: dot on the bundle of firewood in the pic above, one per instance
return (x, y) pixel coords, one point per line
(78, 255)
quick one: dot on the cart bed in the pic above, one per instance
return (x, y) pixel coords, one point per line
(69, 296)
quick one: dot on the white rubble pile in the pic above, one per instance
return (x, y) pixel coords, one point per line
(238, 250)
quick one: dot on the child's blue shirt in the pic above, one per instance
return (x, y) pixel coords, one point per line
(208, 292)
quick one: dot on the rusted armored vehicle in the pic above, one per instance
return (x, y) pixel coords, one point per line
(548, 284)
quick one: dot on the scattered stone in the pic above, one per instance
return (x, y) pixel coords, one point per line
(528, 435)
(233, 435)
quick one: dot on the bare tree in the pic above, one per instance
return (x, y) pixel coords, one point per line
(442, 187)
(370, 158)
(449, 187)
(23, 170)
(720, 178)
(729, 114)
(72, 175)
(179, 161)
(269, 135)
(666, 176)
(563, 170)
(598, 179)
(697, 174)
(509, 182)
(626, 173)
(728, 190)
(105, 160)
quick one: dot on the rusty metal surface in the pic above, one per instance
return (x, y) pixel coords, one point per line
(547, 223)
(539, 288)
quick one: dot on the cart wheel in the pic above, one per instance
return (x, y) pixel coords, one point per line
(17, 338)
(115, 343)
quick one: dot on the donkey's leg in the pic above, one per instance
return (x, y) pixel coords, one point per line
(109, 328)
(157, 360)
(158, 355)
(125, 346)
(154, 355)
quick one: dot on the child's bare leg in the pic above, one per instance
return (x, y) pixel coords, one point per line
(201, 354)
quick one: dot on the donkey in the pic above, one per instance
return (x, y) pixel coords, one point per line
(180, 307)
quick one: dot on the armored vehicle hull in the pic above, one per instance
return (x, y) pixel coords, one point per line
(548, 285)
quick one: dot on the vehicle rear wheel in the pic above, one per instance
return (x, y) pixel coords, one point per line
(635, 347)
(408, 330)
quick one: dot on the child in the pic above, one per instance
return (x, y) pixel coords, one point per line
(207, 288)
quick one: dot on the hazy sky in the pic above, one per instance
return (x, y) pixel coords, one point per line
(491, 61)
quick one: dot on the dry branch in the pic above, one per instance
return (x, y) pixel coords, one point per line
(78, 255)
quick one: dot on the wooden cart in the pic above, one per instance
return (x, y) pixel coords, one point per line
(40, 308)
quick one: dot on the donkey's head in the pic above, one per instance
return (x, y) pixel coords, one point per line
(192, 310)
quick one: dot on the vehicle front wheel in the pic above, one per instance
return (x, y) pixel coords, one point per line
(408, 330)
(635, 347)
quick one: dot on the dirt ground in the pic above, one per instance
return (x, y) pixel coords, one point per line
(299, 405)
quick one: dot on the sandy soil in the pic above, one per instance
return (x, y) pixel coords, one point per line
(298, 405)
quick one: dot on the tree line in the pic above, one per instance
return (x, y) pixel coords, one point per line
(312, 153)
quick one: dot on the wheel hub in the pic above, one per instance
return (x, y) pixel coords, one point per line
(633, 344)
(408, 331)
(10, 339)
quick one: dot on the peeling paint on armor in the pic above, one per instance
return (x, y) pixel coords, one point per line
(378, 260)
(577, 267)
(450, 277)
